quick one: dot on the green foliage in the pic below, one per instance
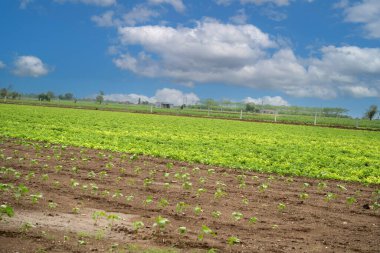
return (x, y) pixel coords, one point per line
(205, 141)
(6, 210)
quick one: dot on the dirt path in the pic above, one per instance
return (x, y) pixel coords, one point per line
(267, 213)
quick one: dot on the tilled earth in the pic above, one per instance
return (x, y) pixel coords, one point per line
(240, 211)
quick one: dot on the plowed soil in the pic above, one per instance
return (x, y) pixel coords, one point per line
(291, 214)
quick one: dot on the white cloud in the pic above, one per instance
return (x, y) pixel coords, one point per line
(361, 91)
(103, 3)
(240, 18)
(260, 2)
(366, 12)
(223, 2)
(177, 4)
(176, 97)
(139, 14)
(104, 20)
(267, 100)
(212, 52)
(30, 66)
(167, 95)
(2, 65)
(132, 98)
(24, 3)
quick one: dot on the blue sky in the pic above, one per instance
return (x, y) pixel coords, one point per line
(285, 52)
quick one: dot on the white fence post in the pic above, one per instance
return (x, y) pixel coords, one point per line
(315, 119)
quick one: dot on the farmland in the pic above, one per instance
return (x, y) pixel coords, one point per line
(86, 180)
(292, 150)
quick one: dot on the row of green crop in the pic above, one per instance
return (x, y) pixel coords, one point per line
(281, 118)
(285, 149)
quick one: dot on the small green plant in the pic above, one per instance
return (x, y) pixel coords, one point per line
(245, 201)
(233, 240)
(198, 210)
(304, 196)
(263, 187)
(216, 214)
(180, 207)
(96, 215)
(35, 197)
(26, 226)
(76, 210)
(113, 217)
(137, 225)
(205, 230)
(148, 182)
(161, 223)
(187, 185)
(148, 200)
(45, 177)
(237, 216)
(219, 193)
(52, 205)
(281, 206)
(182, 230)
(129, 198)
(322, 185)
(330, 196)
(252, 220)
(200, 191)
(350, 200)
(163, 203)
(6, 210)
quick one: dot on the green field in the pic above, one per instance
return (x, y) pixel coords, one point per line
(215, 112)
(352, 155)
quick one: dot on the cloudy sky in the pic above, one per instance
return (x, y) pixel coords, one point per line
(284, 52)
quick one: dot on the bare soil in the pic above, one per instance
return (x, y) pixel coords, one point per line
(293, 214)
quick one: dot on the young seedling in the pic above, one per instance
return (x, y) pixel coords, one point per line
(129, 198)
(205, 231)
(117, 194)
(112, 217)
(219, 193)
(26, 226)
(237, 216)
(281, 207)
(76, 210)
(6, 210)
(163, 203)
(161, 223)
(322, 185)
(137, 225)
(187, 185)
(148, 200)
(36, 197)
(245, 201)
(182, 230)
(198, 210)
(45, 177)
(350, 200)
(200, 191)
(330, 196)
(52, 205)
(216, 214)
(263, 187)
(96, 215)
(233, 240)
(91, 175)
(180, 207)
(148, 182)
(304, 196)
(252, 220)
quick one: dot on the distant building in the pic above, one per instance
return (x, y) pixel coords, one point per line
(164, 105)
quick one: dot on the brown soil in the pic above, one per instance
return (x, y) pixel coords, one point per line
(311, 224)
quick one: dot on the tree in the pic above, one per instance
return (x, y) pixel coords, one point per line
(66, 96)
(4, 93)
(250, 107)
(100, 97)
(50, 95)
(371, 112)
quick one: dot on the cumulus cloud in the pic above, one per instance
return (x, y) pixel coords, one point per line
(240, 18)
(256, 2)
(267, 100)
(2, 65)
(30, 66)
(260, 2)
(165, 95)
(213, 52)
(102, 3)
(24, 3)
(104, 20)
(367, 13)
(177, 4)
